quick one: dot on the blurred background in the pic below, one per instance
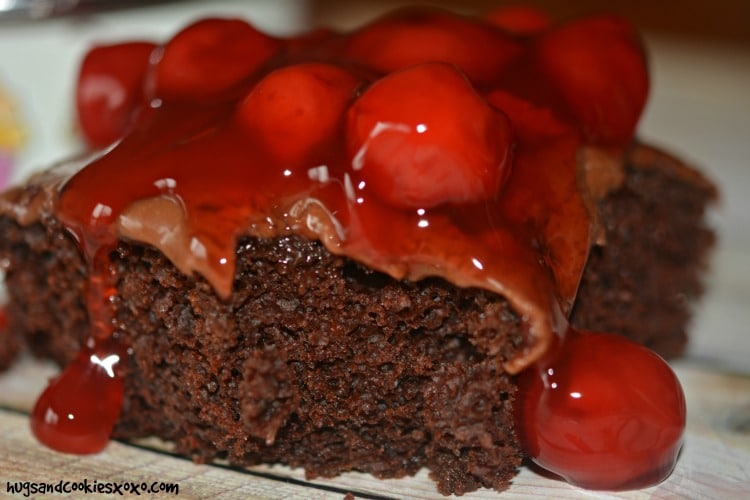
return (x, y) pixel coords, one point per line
(720, 20)
(699, 105)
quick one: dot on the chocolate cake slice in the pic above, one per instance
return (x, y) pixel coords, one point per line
(319, 362)
(317, 302)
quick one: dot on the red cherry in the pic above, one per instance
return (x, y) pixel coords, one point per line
(519, 19)
(598, 65)
(77, 411)
(607, 413)
(110, 90)
(210, 56)
(411, 37)
(296, 108)
(423, 136)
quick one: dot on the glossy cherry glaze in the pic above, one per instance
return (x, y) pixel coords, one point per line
(424, 144)
(79, 408)
(602, 412)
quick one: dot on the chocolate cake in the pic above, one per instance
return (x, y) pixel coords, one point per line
(262, 278)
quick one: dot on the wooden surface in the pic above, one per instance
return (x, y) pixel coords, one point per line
(700, 108)
(715, 461)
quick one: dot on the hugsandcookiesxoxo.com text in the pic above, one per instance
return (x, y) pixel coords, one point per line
(63, 487)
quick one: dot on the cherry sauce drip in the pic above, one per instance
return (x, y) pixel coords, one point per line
(79, 408)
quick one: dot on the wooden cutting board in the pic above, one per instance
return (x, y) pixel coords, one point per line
(715, 460)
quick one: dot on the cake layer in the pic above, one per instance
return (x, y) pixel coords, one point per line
(317, 362)
(646, 277)
(314, 361)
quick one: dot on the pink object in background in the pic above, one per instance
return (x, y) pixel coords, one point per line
(6, 167)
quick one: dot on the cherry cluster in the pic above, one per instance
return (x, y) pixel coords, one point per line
(417, 94)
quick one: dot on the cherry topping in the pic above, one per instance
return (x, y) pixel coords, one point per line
(296, 108)
(599, 66)
(605, 413)
(519, 19)
(110, 90)
(410, 37)
(76, 412)
(210, 56)
(423, 137)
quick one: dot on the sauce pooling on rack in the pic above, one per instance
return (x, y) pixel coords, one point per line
(423, 144)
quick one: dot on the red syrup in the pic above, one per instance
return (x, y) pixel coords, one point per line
(79, 407)
(248, 148)
(602, 412)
